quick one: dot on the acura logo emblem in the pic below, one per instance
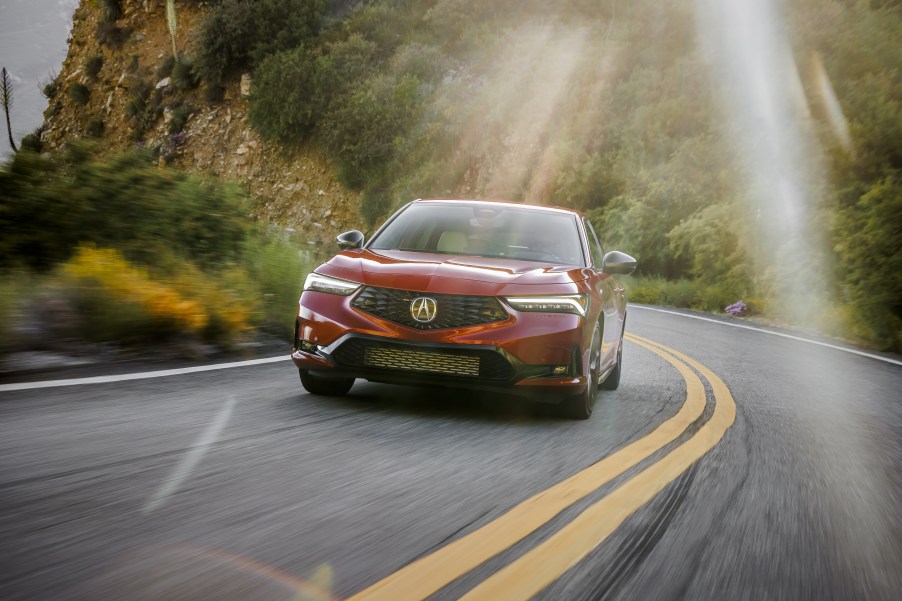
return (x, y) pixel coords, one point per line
(423, 309)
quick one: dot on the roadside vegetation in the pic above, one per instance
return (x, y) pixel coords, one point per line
(118, 250)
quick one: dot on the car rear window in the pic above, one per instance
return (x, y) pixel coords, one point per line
(485, 231)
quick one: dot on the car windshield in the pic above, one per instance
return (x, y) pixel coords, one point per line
(481, 230)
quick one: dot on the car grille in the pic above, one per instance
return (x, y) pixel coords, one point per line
(484, 364)
(453, 310)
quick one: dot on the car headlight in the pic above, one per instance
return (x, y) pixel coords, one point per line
(570, 303)
(323, 283)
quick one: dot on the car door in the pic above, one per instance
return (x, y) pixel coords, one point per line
(609, 290)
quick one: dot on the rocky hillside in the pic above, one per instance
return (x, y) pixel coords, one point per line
(296, 187)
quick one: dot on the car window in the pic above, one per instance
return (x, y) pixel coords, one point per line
(485, 231)
(594, 245)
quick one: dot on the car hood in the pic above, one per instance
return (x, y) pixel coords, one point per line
(452, 274)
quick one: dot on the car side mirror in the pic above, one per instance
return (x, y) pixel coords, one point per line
(349, 240)
(618, 263)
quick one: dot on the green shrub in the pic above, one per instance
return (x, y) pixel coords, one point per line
(110, 34)
(138, 95)
(375, 202)
(868, 234)
(179, 119)
(183, 74)
(50, 205)
(277, 267)
(361, 132)
(79, 93)
(282, 104)
(112, 10)
(51, 88)
(165, 68)
(341, 68)
(93, 65)
(16, 290)
(144, 106)
(33, 142)
(238, 34)
(94, 128)
(214, 92)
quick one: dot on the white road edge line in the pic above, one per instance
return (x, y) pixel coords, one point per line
(163, 373)
(772, 333)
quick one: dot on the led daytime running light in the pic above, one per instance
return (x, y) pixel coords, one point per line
(574, 303)
(321, 283)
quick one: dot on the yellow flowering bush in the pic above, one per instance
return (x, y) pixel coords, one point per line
(124, 282)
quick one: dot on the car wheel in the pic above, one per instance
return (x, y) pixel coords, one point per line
(613, 379)
(325, 386)
(579, 406)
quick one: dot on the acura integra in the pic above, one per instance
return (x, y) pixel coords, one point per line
(474, 294)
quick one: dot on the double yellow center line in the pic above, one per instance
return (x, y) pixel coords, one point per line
(543, 564)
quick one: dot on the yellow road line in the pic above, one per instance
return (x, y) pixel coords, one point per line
(428, 574)
(545, 563)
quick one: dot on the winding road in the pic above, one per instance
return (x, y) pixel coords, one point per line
(732, 463)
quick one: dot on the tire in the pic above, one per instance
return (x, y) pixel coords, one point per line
(612, 382)
(325, 386)
(579, 406)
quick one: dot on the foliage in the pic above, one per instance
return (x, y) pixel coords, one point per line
(93, 65)
(112, 35)
(112, 10)
(122, 283)
(341, 68)
(165, 68)
(214, 92)
(868, 235)
(179, 119)
(144, 105)
(184, 76)
(51, 87)
(688, 294)
(33, 141)
(94, 128)
(278, 268)
(238, 34)
(112, 299)
(79, 93)
(135, 254)
(52, 205)
(14, 289)
(282, 107)
(362, 133)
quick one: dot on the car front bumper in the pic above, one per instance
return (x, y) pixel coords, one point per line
(528, 353)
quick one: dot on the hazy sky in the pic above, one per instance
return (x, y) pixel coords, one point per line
(32, 45)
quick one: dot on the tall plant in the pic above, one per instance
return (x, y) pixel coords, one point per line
(172, 22)
(6, 99)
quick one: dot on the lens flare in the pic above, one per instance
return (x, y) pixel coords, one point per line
(769, 121)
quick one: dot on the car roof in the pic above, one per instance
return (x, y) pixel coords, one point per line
(491, 202)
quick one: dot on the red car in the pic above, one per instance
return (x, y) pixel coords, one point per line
(473, 294)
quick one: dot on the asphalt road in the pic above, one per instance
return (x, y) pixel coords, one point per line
(235, 484)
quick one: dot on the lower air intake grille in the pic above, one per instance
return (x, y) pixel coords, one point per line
(484, 364)
(422, 361)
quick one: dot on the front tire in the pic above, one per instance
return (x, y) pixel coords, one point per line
(579, 406)
(325, 386)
